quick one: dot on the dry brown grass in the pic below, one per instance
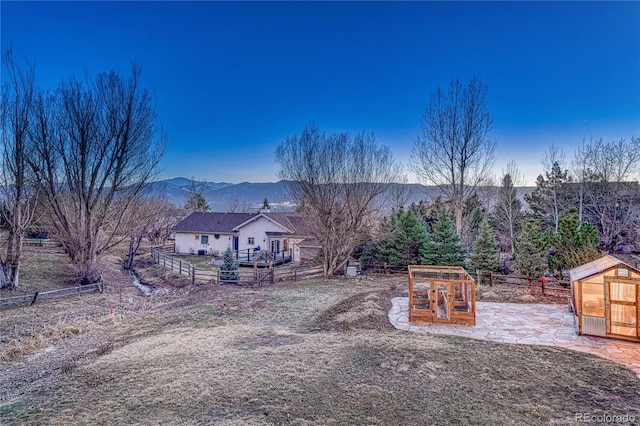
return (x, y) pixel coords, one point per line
(317, 352)
(42, 269)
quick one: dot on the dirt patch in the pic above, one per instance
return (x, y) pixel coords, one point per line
(365, 311)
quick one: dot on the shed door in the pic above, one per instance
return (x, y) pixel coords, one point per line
(623, 312)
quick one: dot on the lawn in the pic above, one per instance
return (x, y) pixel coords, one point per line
(316, 352)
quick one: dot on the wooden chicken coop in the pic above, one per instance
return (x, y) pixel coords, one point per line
(605, 296)
(441, 294)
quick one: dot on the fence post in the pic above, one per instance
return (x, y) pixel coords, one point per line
(218, 276)
(180, 265)
(193, 275)
(35, 296)
(490, 279)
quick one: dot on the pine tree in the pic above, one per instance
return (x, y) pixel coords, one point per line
(406, 238)
(197, 203)
(444, 247)
(229, 264)
(485, 249)
(399, 241)
(551, 197)
(265, 204)
(574, 244)
(530, 251)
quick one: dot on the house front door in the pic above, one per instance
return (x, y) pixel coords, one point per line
(235, 243)
(275, 246)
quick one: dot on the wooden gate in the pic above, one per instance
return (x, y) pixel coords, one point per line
(262, 276)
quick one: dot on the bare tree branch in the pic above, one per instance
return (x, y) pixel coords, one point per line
(453, 151)
(335, 179)
(96, 146)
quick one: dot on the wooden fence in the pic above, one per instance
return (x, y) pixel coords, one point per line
(241, 276)
(549, 286)
(40, 296)
(546, 286)
(385, 269)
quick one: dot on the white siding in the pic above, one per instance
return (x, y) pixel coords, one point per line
(258, 230)
(187, 243)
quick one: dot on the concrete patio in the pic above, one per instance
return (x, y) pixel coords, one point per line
(528, 324)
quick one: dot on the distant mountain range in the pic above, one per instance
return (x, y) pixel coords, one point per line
(247, 196)
(221, 195)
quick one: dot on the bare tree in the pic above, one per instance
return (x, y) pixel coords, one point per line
(453, 151)
(17, 192)
(507, 214)
(399, 192)
(335, 180)
(236, 206)
(554, 164)
(580, 174)
(150, 220)
(97, 145)
(611, 191)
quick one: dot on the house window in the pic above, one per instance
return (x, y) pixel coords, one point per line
(197, 237)
(204, 239)
(252, 241)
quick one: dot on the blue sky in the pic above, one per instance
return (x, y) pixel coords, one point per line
(232, 79)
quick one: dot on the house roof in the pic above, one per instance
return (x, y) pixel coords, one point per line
(281, 223)
(212, 222)
(229, 223)
(293, 221)
(595, 267)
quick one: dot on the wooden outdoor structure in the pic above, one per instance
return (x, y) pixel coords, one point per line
(605, 297)
(441, 294)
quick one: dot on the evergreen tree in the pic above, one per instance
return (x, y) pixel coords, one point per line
(485, 252)
(530, 251)
(197, 203)
(473, 215)
(265, 204)
(229, 265)
(445, 247)
(551, 197)
(574, 244)
(406, 239)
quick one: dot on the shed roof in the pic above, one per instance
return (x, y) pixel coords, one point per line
(595, 267)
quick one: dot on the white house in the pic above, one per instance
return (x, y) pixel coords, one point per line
(282, 235)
